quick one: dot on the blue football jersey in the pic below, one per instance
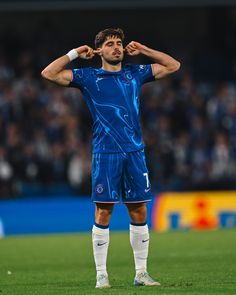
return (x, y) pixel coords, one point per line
(113, 100)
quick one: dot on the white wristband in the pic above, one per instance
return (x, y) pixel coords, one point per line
(72, 54)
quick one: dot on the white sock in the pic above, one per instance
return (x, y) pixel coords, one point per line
(100, 238)
(139, 240)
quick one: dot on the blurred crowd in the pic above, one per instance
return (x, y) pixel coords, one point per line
(189, 128)
(190, 131)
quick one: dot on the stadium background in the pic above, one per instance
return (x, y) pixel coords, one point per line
(189, 119)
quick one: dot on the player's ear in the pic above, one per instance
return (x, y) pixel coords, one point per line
(98, 51)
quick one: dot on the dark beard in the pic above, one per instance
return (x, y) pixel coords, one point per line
(113, 62)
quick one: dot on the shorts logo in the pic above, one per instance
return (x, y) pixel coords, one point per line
(99, 189)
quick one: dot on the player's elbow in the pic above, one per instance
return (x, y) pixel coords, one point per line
(46, 74)
(175, 66)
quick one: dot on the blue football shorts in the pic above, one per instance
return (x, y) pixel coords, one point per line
(113, 171)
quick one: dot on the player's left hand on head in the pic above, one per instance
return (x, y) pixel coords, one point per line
(133, 48)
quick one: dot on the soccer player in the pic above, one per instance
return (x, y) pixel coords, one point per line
(112, 95)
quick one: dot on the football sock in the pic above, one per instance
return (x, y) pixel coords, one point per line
(139, 240)
(100, 238)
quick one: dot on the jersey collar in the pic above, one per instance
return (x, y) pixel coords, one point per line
(108, 73)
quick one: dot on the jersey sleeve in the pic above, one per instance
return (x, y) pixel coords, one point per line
(79, 77)
(145, 73)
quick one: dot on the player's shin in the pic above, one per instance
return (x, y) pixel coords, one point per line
(139, 239)
(100, 239)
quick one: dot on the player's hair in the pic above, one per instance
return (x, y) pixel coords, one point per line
(110, 32)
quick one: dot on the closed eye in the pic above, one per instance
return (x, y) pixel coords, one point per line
(110, 44)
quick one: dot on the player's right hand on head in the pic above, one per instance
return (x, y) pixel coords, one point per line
(98, 51)
(85, 52)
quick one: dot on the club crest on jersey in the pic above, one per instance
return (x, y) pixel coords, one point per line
(128, 77)
(99, 188)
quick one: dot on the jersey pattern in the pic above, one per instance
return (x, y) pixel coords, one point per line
(113, 99)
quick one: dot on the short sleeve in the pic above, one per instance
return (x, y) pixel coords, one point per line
(145, 73)
(79, 76)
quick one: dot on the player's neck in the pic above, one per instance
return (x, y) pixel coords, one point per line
(111, 68)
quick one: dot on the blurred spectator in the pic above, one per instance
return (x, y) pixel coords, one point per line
(6, 175)
(58, 163)
(79, 170)
(13, 144)
(223, 161)
(198, 130)
(182, 159)
(29, 163)
(218, 105)
(230, 122)
(199, 161)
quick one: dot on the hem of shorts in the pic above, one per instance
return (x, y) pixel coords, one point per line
(107, 202)
(148, 200)
(117, 202)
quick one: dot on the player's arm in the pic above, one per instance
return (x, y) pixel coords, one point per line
(164, 63)
(56, 71)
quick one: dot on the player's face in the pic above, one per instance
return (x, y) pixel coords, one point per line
(112, 50)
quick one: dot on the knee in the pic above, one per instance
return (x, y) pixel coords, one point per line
(103, 215)
(138, 214)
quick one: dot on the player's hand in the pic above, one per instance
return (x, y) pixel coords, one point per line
(134, 48)
(85, 52)
(98, 51)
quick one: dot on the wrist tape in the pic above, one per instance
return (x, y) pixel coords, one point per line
(72, 54)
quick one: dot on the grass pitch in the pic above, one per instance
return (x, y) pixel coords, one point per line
(184, 263)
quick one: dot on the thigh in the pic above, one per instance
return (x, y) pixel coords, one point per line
(106, 177)
(136, 179)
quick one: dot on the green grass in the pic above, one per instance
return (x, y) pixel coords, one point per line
(184, 263)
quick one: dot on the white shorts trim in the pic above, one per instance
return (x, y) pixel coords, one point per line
(143, 201)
